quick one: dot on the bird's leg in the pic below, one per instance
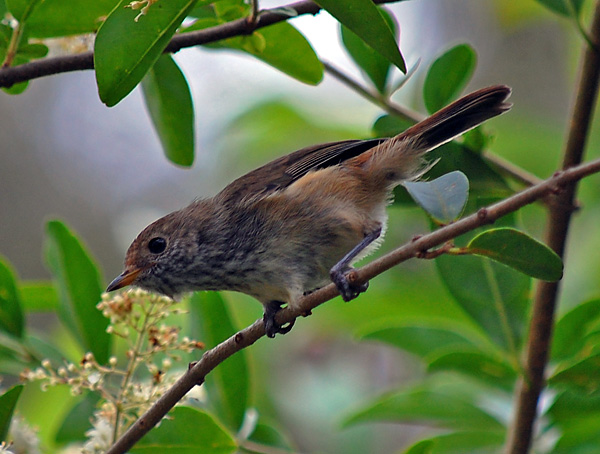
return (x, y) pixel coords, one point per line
(339, 273)
(271, 326)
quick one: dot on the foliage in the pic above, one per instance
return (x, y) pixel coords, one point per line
(472, 361)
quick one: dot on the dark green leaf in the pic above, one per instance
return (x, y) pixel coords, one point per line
(284, 48)
(366, 21)
(422, 339)
(169, 102)
(575, 414)
(447, 76)
(564, 7)
(21, 9)
(126, 49)
(11, 312)
(186, 431)
(431, 407)
(476, 363)
(484, 442)
(375, 66)
(519, 251)
(443, 198)
(57, 18)
(581, 436)
(79, 288)
(38, 296)
(228, 384)
(572, 329)
(77, 421)
(495, 296)
(268, 435)
(390, 125)
(8, 401)
(584, 375)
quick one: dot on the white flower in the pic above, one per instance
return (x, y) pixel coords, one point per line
(24, 439)
(99, 437)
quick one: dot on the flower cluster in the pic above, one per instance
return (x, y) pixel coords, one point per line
(143, 6)
(127, 390)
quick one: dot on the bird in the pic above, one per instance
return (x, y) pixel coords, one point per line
(298, 222)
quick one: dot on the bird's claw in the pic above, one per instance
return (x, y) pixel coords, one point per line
(271, 326)
(345, 282)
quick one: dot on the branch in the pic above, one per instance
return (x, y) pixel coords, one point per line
(84, 61)
(540, 331)
(252, 333)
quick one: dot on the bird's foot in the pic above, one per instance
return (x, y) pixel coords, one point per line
(271, 325)
(345, 281)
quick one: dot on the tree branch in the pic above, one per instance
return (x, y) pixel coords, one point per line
(554, 186)
(540, 331)
(84, 61)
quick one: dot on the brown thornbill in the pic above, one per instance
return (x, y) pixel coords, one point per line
(297, 222)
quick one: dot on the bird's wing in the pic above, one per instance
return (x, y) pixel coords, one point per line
(282, 172)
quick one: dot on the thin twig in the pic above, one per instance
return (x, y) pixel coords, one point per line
(545, 300)
(378, 100)
(252, 333)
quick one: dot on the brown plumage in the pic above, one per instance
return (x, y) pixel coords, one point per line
(293, 224)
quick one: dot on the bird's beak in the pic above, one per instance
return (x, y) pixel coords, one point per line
(124, 279)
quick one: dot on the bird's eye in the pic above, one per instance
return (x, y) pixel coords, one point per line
(157, 245)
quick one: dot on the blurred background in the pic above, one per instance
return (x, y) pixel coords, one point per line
(65, 155)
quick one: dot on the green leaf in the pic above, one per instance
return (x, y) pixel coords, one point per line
(284, 48)
(38, 296)
(422, 339)
(519, 251)
(444, 198)
(79, 289)
(169, 103)
(583, 375)
(186, 431)
(58, 18)
(21, 9)
(572, 329)
(564, 7)
(447, 76)
(267, 435)
(125, 50)
(575, 414)
(366, 21)
(484, 442)
(375, 66)
(77, 421)
(495, 296)
(228, 385)
(8, 401)
(390, 125)
(473, 362)
(426, 406)
(11, 313)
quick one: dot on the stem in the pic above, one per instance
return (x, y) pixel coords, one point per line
(532, 383)
(13, 45)
(131, 366)
(376, 99)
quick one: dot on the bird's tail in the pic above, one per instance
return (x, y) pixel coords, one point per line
(400, 158)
